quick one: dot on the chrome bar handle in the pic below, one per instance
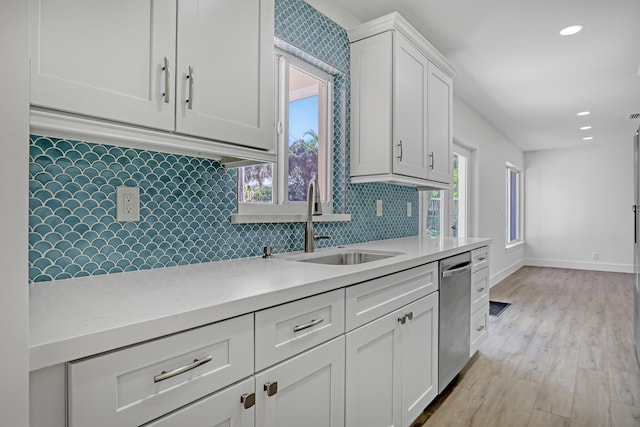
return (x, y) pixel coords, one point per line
(432, 157)
(314, 322)
(400, 150)
(192, 77)
(164, 375)
(167, 80)
(455, 271)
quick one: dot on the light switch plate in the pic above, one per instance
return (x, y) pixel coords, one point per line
(127, 204)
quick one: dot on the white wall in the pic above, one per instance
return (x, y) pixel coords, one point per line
(578, 201)
(492, 151)
(14, 137)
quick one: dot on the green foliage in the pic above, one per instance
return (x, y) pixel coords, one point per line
(257, 194)
(303, 164)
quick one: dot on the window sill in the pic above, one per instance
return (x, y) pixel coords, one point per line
(513, 246)
(282, 218)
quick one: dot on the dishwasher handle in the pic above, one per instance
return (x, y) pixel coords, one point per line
(465, 267)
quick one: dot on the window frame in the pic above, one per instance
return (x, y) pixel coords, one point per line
(281, 206)
(519, 239)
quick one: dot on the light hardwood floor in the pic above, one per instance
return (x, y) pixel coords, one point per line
(560, 355)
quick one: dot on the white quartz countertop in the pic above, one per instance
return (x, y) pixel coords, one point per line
(76, 318)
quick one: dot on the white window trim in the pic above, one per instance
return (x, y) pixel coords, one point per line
(445, 197)
(282, 210)
(520, 241)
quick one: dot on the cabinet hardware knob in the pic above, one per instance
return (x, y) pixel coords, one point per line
(271, 388)
(409, 315)
(400, 150)
(402, 319)
(164, 375)
(314, 322)
(248, 400)
(432, 157)
(481, 289)
(479, 328)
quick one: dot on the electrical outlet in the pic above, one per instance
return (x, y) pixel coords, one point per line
(409, 209)
(595, 256)
(378, 207)
(127, 204)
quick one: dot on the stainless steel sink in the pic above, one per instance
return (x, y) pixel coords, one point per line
(347, 257)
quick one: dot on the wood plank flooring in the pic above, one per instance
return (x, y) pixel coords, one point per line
(560, 356)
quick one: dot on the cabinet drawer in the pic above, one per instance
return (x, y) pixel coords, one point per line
(132, 386)
(479, 258)
(369, 300)
(479, 328)
(291, 328)
(479, 289)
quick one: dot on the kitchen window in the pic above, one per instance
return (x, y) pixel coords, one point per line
(304, 131)
(513, 203)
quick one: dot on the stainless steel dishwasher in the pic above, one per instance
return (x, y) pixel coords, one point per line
(455, 317)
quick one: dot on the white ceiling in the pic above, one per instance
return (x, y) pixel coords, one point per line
(522, 76)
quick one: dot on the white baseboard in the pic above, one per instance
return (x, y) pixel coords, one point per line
(506, 272)
(579, 265)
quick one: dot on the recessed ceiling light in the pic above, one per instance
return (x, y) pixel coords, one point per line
(584, 113)
(585, 128)
(587, 138)
(570, 30)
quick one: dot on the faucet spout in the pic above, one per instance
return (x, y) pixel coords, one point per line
(314, 207)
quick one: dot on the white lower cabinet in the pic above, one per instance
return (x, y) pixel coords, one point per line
(392, 366)
(287, 365)
(306, 390)
(479, 325)
(225, 408)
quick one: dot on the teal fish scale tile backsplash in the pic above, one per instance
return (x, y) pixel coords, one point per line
(187, 202)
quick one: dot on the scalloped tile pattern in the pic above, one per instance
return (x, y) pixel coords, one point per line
(186, 202)
(303, 26)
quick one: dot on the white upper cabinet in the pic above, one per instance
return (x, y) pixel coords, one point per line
(104, 58)
(225, 70)
(401, 97)
(440, 131)
(410, 98)
(197, 68)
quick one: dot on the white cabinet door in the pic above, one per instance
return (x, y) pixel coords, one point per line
(225, 71)
(371, 105)
(307, 390)
(410, 118)
(373, 383)
(439, 113)
(419, 357)
(224, 408)
(392, 366)
(105, 58)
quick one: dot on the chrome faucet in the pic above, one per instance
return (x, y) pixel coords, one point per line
(314, 207)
